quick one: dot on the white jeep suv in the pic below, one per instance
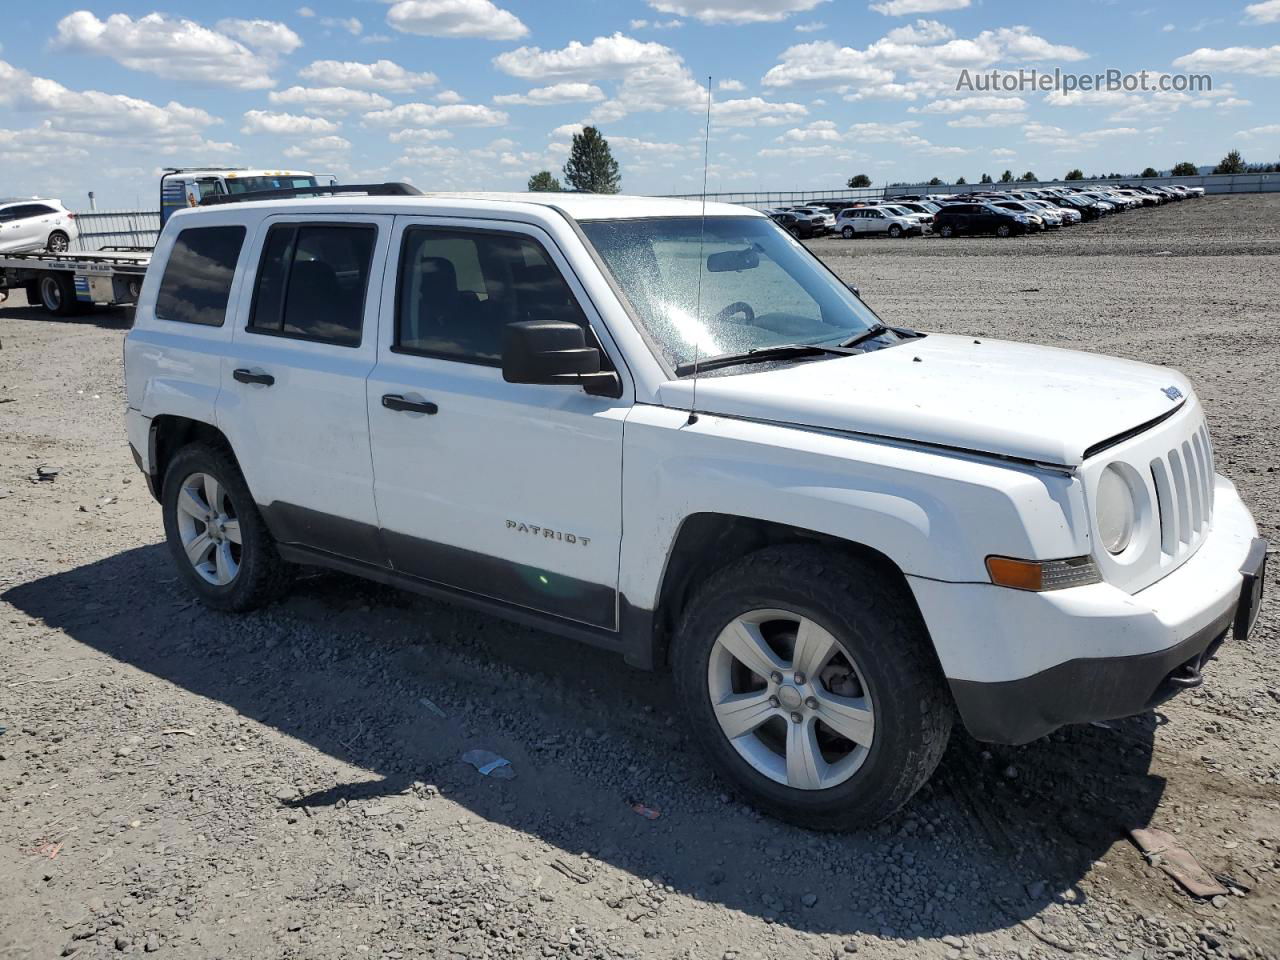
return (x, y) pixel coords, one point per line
(689, 442)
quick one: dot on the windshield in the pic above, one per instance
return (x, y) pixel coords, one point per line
(254, 184)
(759, 287)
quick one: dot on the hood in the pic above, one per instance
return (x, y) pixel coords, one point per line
(990, 396)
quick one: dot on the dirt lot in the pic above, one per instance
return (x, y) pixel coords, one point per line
(287, 784)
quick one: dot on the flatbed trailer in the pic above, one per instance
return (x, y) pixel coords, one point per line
(68, 283)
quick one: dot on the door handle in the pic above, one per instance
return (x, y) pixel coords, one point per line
(394, 401)
(248, 376)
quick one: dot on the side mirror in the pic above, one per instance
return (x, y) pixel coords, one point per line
(555, 352)
(854, 290)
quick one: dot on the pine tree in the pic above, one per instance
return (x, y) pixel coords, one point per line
(1076, 174)
(1231, 163)
(543, 182)
(986, 178)
(591, 167)
(1184, 169)
(961, 181)
(1006, 177)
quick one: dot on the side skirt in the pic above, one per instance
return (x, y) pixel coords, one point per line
(637, 649)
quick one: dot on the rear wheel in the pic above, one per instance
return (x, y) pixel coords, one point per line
(57, 291)
(216, 535)
(895, 231)
(847, 232)
(808, 679)
(947, 231)
(59, 242)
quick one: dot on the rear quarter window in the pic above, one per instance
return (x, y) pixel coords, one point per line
(197, 279)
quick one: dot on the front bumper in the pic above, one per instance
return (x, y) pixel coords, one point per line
(1023, 664)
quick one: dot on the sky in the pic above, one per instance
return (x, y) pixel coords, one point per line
(480, 94)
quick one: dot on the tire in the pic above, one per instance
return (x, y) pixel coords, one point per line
(58, 242)
(250, 574)
(1003, 230)
(56, 291)
(847, 233)
(895, 231)
(947, 231)
(875, 628)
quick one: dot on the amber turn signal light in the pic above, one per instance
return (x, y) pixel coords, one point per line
(1039, 575)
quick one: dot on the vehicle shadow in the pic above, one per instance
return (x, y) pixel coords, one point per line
(16, 307)
(364, 674)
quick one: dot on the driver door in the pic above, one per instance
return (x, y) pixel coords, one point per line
(507, 491)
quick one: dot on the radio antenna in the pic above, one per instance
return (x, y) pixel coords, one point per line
(702, 236)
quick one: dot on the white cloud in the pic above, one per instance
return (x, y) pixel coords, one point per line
(319, 147)
(821, 150)
(305, 12)
(566, 130)
(94, 111)
(646, 75)
(339, 99)
(1267, 130)
(1261, 61)
(731, 86)
(352, 25)
(285, 124)
(455, 18)
(921, 32)
(672, 24)
(449, 96)
(975, 122)
(735, 11)
(553, 94)
(178, 49)
(1004, 152)
(265, 35)
(818, 130)
(419, 135)
(965, 104)
(903, 8)
(1057, 137)
(813, 26)
(1266, 12)
(755, 111)
(430, 115)
(877, 132)
(379, 75)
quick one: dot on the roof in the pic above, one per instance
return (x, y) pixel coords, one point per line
(579, 206)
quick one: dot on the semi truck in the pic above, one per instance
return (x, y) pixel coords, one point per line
(70, 282)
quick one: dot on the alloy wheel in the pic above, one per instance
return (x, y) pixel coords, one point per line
(58, 243)
(209, 528)
(790, 699)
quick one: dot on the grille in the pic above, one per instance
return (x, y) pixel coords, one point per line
(1183, 479)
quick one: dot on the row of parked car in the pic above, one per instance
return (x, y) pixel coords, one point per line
(1003, 213)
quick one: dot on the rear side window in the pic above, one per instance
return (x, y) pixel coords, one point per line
(197, 279)
(459, 289)
(312, 282)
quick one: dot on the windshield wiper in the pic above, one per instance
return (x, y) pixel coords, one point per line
(869, 334)
(786, 351)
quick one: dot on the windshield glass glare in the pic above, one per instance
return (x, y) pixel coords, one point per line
(759, 287)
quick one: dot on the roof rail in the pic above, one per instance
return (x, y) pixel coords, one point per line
(367, 189)
(196, 169)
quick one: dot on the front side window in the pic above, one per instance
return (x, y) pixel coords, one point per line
(458, 290)
(759, 288)
(197, 279)
(312, 281)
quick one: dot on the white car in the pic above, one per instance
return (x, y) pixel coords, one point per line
(1068, 216)
(870, 221)
(836, 533)
(36, 224)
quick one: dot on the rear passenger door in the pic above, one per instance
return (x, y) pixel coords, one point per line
(293, 386)
(503, 490)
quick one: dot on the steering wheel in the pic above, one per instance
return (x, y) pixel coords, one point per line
(748, 315)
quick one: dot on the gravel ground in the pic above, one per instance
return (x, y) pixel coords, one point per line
(287, 784)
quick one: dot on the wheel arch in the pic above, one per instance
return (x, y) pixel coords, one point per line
(168, 434)
(707, 542)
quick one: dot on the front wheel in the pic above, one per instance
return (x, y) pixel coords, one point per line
(947, 231)
(216, 535)
(808, 679)
(1003, 230)
(847, 233)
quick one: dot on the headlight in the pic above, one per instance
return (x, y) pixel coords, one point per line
(1115, 510)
